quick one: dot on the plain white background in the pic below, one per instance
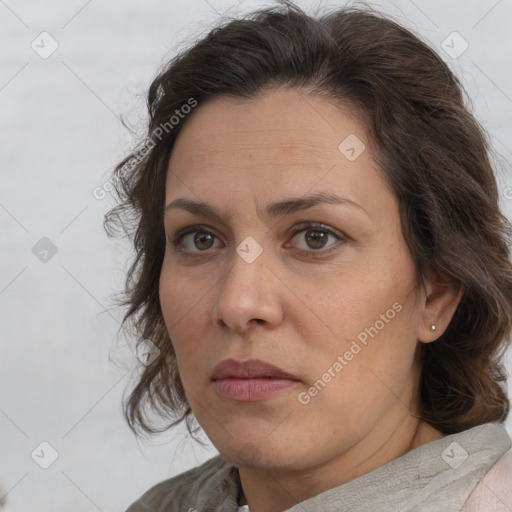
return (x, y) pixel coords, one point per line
(61, 137)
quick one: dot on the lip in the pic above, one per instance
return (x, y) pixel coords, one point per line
(251, 369)
(250, 381)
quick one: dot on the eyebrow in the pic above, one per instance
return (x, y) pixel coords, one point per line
(279, 209)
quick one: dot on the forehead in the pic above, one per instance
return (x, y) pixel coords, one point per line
(278, 120)
(283, 139)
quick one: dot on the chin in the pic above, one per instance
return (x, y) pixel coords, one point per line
(259, 454)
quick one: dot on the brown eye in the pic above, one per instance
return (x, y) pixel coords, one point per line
(315, 237)
(203, 241)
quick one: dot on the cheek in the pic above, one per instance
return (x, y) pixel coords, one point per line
(378, 350)
(365, 313)
(183, 305)
(180, 294)
(353, 301)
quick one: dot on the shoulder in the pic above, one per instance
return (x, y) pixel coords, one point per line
(494, 492)
(186, 489)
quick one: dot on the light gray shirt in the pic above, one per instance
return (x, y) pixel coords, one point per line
(438, 476)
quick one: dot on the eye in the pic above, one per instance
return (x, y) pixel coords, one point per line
(316, 237)
(200, 242)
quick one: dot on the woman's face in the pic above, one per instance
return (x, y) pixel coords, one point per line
(320, 285)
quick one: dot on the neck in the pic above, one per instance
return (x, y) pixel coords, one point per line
(276, 489)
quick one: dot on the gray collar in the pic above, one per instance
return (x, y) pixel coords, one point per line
(436, 476)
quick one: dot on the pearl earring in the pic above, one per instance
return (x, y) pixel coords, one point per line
(433, 327)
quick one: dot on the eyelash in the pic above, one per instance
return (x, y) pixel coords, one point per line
(309, 226)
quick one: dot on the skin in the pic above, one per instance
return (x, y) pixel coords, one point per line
(295, 306)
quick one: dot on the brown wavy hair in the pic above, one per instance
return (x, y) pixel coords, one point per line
(431, 151)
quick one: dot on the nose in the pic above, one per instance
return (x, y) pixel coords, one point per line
(248, 295)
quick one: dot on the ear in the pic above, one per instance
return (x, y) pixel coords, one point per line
(439, 306)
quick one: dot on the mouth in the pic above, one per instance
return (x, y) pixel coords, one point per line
(250, 381)
(251, 369)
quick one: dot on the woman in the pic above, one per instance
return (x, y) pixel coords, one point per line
(322, 275)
